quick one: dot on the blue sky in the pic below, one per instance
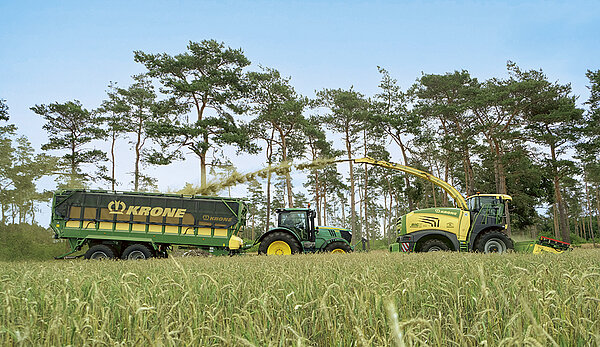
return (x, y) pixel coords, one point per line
(63, 50)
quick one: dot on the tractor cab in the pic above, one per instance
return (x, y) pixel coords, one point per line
(488, 208)
(299, 220)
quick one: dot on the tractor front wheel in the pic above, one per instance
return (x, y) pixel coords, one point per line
(338, 247)
(279, 243)
(494, 242)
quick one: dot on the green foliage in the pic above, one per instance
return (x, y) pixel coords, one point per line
(208, 76)
(20, 242)
(3, 110)
(20, 169)
(72, 128)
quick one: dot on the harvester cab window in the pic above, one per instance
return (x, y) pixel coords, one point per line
(476, 203)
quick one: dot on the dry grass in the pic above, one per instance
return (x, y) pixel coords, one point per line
(323, 300)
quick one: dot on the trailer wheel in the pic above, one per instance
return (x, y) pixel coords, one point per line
(136, 252)
(434, 245)
(493, 242)
(100, 252)
(338, 247)
(279, 243)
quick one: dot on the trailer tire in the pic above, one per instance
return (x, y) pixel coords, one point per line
(100, 252)
(136, 252)
(494, 242)
(338, 247)
(434, 245)
(279, 243)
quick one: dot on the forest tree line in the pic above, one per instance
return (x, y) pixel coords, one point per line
(521, 135)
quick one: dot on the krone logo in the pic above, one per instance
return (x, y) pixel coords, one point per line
(119, 207)
(116, 207)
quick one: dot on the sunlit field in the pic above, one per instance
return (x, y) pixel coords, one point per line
(323, 300)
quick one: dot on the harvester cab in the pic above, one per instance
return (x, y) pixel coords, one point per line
(296, 232)
(489, 209)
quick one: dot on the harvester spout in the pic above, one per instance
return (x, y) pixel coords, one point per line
(455, 194)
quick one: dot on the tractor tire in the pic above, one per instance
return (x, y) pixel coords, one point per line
(434, 245)
(494, 242)
(338, 247)
(136, 252)
(279, 243)
(100, 252)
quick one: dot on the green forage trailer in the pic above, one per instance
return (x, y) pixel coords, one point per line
(138, 225)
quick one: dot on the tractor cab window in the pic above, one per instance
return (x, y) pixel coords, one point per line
(293, 220)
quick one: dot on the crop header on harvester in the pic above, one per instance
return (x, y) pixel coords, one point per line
(477, 223)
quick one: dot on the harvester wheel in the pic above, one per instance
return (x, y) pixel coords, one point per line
(100, 252)
(494, 242)
(279, 243)
(136, 252)
(338, 247)
(434, 245)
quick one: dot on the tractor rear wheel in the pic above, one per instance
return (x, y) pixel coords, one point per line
(279, 243)
(136, 252)
(494, 242)
(100, 252)
(434, 245)
(338, 247)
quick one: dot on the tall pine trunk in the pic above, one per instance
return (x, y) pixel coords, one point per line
(352, 196)
(561, 209)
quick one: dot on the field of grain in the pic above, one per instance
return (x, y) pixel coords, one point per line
(323, 300)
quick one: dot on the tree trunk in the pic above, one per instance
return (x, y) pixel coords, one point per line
(269, 153)
(112, 159)
(352, 197)
(446, 175)
(406, 180)
(562, 215)
(288, 179)
(324, 203)
(136, 173)
(318, 197)
(555, 220)
(501, 184)
(365, 220)
(203, 165)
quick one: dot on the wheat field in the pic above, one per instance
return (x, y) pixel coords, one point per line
(375, 298)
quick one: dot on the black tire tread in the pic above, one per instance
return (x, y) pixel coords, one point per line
(100, 247)
(433, 242)
(338, 244)
(279, 236)
(137, 247)
(482, 239)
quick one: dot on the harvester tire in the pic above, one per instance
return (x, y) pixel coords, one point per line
(434, 245)
(338, 247)
(494, 242)
(279, 242)
(136, 252)
(100, 252)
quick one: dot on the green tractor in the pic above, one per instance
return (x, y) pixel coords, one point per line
(296, 233)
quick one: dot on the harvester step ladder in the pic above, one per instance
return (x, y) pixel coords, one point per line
(464, 246)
